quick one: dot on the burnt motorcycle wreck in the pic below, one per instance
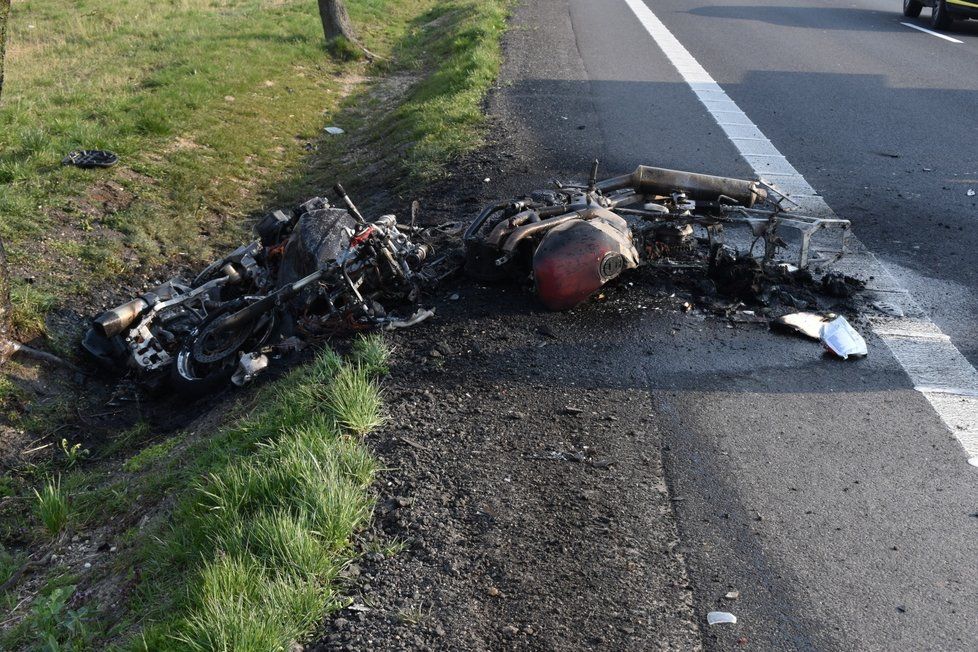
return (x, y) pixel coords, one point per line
(311, 272)
(320, 270)
(574, 239)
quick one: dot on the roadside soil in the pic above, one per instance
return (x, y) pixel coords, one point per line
(525, 480)
(523, 454)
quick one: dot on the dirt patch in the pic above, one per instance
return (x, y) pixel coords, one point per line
(529, 495)
(182, 143)
(350, 82)
(109, 197)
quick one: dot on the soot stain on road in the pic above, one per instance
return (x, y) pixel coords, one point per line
(525, 476)
(528, 489)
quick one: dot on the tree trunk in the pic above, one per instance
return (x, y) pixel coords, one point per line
(6, 346)
(337, 27)
(4, 12)
(336, 22)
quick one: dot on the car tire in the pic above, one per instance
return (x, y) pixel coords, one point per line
(912, 8)
(940, 18)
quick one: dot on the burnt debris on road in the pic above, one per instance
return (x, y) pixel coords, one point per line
(319, 269)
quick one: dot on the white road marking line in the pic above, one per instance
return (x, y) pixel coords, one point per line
(935, 366)
(909, 335)
(927, 31)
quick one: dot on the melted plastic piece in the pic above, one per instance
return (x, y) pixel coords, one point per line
(90, 158)
(804, 323)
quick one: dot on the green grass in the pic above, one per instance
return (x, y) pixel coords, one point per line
(443, 116)
(30, 306)
(52, 506)
(372, 353)
(354, 400)
(148, 456)
(11, 394)
(212, 106)
(407, 136)
(251, 557)
(8, 564)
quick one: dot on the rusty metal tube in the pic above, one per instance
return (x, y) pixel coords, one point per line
(650, 180)
(112, 322)
(501, 230)
(533, 228)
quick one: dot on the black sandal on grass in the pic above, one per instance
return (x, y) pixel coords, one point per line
(90, 158)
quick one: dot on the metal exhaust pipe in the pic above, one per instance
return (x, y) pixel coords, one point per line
(649, 180)
(112, 322)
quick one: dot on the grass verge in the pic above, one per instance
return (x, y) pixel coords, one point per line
(248, 556)
(259, 541)
(443, 116)
(216, 109)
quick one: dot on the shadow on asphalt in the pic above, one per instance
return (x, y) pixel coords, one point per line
(830, 18)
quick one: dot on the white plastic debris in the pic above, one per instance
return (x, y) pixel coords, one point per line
(971, 192)
(842, 339)
(334, 131)
(249, 366)
(720, 618)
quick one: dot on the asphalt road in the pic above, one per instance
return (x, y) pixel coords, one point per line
(830, 495)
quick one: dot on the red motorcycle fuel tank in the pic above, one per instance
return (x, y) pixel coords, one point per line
(576, 258)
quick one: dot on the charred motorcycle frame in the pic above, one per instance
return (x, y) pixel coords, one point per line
(310, 272)
(576, 238)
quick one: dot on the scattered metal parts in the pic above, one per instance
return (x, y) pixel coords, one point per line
(574, 239)
(413, 320)
(317, 270)
(249, 366)
(311, 272)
